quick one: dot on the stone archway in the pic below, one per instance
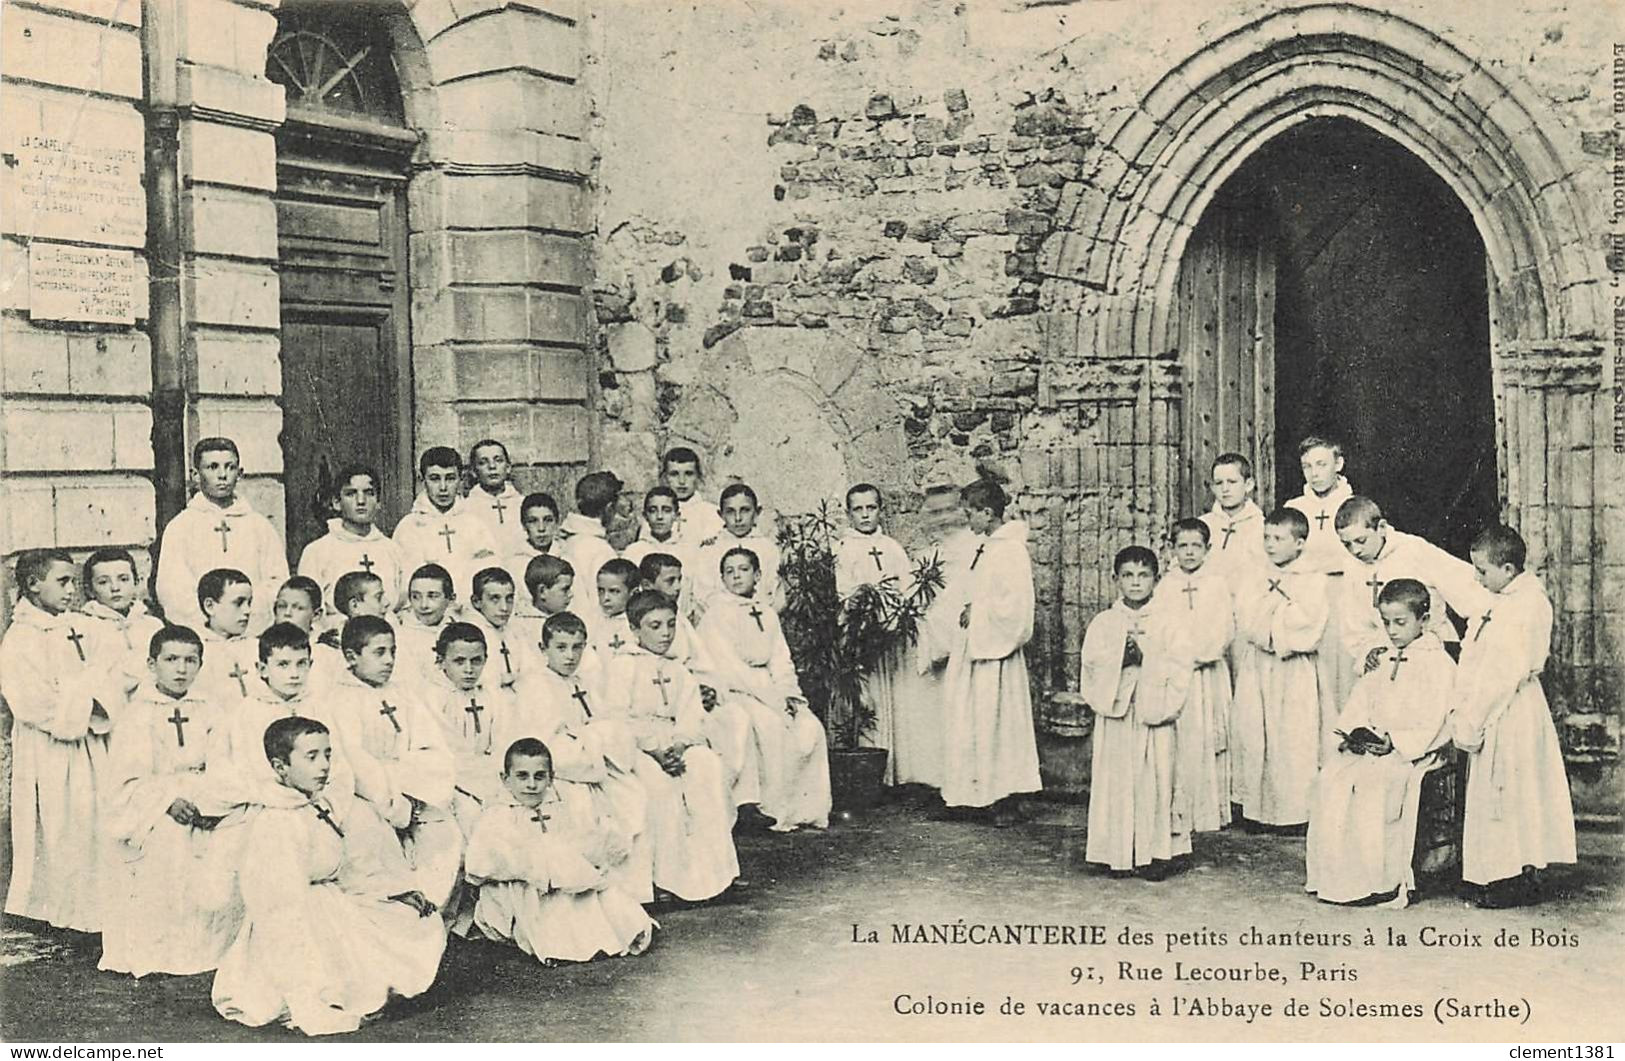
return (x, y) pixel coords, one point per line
(1112, 268)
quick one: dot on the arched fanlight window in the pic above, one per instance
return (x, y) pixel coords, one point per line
(336, 59)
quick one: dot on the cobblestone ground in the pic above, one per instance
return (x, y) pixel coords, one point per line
(779, 961)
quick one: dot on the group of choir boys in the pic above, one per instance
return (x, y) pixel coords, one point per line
(1299, 669)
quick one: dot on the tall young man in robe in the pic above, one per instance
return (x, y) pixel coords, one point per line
(494, 497)
(867, 556)
(443, 527)
(991, 752)
(1324, 491)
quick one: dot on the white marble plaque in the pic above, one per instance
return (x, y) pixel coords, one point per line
(81, 284)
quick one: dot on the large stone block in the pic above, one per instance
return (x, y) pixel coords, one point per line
(212, 153)
(112, 364)
(269, 500)
(225, 34)
(254, 424)
(118, 12)
(560, 435)
(230, 293)
(30, 513)
(631, 346)
(512, 38)
(132, 437)
(469, 147)
(498, 256)
(515, 99)
(501, 372)
(73, 167)
(563, 375)
(509, 421)
(57, 50)
(46, 435)
(35, 361)
(237, 363)
(246, 94)
(516, 201)
(225, 221)
(104, 510)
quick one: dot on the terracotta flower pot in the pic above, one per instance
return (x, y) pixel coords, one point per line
(855, 776)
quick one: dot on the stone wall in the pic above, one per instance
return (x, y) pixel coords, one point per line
(891, 242)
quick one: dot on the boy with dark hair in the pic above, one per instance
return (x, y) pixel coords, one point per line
(740, 510)
(57, 698)
(698, 520)
(1324, 491)
(430, 605)
(226, 599)
(581, 538)
(607, 628)
(1519, 816)
(443, 527)
(493, 496)
(1235, 522)
(217, 529)
(867, 556)
(113, 601)
(353, 541)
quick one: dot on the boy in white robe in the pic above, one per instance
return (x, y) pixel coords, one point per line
(126, 625)
(1324, 491)
(866, 556)
(1136, 677)
(226, 599)
(299, 602)
(727, 723)
(471, 708)
(494, 497)
(1235, 520)
(581, 539)
(443, 527)
(917, 739)
(217, 529)
(1196, 606)
(58, 700)
(430, 605)
(659, 536)
(595, 758)
(753, 660)
(1362, 827)
(991, 751)
(333, 924)
(539, 517)
(544, 865)
(510, 651)
(740, 511)
(698, 519)
(607, 629)
(398, 750)
(1519, 818)
(170, 907)
(353, 542)
(689, 815)
(1276, 716)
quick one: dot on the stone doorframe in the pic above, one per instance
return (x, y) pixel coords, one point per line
(1112, 267)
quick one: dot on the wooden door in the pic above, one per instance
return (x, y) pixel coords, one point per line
(1227, 342)
(346, 385)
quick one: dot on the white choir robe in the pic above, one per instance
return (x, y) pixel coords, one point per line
(230, 668)
(708, 569)
(58, 764)
(509, 650)
(1362, 827)
(1325, 552)
(456, 539)
(1449, 581)
(991, 750)
(194, 544)
(595, 760)
(516, 564)
(607, 634)
(687, 555)
(869, 559)
(338, 552)
(728, 729)
(1237, 544)
(404, 765)
(689, 817)
(1198, 607)
(546, 878)
(792, 753)
(473, 721)
(698, 519)
(581, 541)
(1518, 809)
(129, 635)
(170, 904)
(414, 645)
(1276, 716)
(500, 513)
(1140, 799)
(917, 739)
(322, 946)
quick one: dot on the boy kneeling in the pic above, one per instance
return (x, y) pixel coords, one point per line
(543, 865)
(332, 925)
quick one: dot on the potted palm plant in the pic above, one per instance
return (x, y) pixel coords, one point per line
(839, 643)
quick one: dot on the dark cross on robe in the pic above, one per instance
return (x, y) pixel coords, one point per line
(975, 559)
(660, 681)
(499, 508)
(225, 533)
(1398, 659)
(1275, 587)
(327, 817)
(877, 554)
(1482, 623)
(1228, 529)
(446, 532)
(580, 696)
(540, 819)
(617, 641)
(507, 663)
(474, 708)
(179, 721)
(1376, 585)
(756, 613)
(238, 673)
(77, 638)
(1190, 591)
(1320, 520)
(388, 711)
(367, 563)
